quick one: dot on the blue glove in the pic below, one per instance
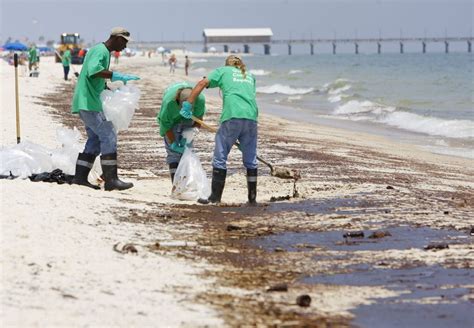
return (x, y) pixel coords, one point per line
(177, 147)
(186, 110)
(117, 76)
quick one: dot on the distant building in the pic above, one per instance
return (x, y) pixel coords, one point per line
(238, 35)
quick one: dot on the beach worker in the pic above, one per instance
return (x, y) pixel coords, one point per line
(238, 122)
(172, 124)
(66, 61)
(116, 57)
(33, 57)
(101, 136)
(81, 53)
(172, 62)
(187, 64)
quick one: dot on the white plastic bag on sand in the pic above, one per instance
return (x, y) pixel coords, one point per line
(25, 159)
(65, 157)
(190, 181)
(119, 105)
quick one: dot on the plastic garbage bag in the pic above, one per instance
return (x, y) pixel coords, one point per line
(119, 105)
(65, 157)
(190, 180)
(25, 159)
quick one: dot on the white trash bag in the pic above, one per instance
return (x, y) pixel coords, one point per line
(119, 105)
(190, 180)
(65, 157)
(25, 159)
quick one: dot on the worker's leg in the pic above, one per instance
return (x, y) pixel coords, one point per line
(172, 157)
(226, 136)
(248, 146)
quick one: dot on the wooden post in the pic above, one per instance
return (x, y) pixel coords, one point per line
(15, 60)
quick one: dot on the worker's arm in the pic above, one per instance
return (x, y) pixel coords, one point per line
(105, 74)
(187, 106)
(170, 136)
(204, 83)
(116, 76)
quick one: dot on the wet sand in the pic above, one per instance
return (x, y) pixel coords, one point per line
(350, 182)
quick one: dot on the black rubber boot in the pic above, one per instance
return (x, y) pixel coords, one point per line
(109, 167)
(173, 167)
(84, 165)
(217, 187)
(252, 186)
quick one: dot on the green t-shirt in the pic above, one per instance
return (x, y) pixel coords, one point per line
(33, 55)
(88, 88)
(169, 112)
(67, 58)
(238, 93)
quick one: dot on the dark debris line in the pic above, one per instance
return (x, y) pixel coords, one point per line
(251, 267)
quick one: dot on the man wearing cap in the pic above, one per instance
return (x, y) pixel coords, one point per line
(172, 124)
(101, 136)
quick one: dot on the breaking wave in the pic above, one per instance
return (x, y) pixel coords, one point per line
(284, 89)
(400, 118)
(259, 72)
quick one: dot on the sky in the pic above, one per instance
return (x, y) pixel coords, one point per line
(27, 20)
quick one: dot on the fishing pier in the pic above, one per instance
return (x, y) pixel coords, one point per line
(264, 37)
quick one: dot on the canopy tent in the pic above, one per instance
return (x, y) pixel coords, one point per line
(15, 46)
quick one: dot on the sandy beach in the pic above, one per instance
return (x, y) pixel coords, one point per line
(215, 266)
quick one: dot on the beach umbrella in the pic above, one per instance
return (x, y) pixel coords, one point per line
(212, 49)
(160, 49)
(15, 46)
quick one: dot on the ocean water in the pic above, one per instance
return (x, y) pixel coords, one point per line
(425, 99)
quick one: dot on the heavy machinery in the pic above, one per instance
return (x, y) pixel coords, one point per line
(71, 41)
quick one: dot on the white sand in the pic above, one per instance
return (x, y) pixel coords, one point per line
(58, 265)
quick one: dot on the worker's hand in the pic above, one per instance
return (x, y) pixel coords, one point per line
(177, 147)
(186, 110)
(117, 76)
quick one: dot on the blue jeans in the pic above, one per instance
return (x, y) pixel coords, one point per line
(66, 72)
(243, 130)
(178, 129)
(101, 136)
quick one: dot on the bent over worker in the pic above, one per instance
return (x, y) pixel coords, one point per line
(238, 122)
(101, 136)
(172, 124)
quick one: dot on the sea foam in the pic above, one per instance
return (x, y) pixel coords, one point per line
(284, 89)
(430, 125)
(259, 72)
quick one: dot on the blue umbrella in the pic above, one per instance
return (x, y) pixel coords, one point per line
(15, 46)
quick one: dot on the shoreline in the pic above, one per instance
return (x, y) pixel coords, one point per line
(226, 276)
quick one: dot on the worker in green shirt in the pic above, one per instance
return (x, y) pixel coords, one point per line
(172, 124)
(33, 57)
(66, 60)
(238, 122)
(101, 136)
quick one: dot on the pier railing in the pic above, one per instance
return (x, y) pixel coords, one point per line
(312, 42)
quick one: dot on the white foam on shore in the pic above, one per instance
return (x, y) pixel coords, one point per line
(355, 107)
(430, 125)
(284, 89)
(295, 71)
(259, 72)
(370, 111)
